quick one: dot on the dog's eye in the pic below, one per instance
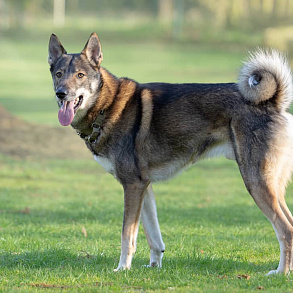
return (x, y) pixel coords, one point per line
(80, 75)
(58, 74)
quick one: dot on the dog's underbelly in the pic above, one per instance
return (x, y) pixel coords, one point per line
(172, 168)
(224, 149)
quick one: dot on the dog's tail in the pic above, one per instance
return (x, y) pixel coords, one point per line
(266, 75)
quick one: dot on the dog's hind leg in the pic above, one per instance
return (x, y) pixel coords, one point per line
(281, 180)
(285, 208)
(133, 199)
(267, 200)
(284, 175)
(285, 167)
(281, 164)
(151, 227)
(262, 166)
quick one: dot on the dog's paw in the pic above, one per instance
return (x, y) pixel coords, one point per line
(152, 265)
(155, 264)
(156, 258)
(275, 272)
(121, 268)
(272, 272)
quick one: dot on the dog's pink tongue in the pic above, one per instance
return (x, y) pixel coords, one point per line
(66, 113)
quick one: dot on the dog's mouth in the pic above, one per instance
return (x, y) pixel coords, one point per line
(68, 109)
(77, 103)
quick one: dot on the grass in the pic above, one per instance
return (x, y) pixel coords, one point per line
(60, 220)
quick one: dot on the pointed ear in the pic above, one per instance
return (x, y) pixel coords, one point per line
(56, 50)
(93, 50)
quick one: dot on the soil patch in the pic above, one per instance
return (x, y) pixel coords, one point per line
(27, 140)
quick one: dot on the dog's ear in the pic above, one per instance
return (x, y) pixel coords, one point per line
(56, 49)
(93, 50)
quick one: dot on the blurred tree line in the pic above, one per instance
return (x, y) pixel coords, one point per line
(219, 14)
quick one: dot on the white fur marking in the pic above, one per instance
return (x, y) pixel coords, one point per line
(289, 118)
(221, 150)
(105, 163)
(85, 93)
(150, 222)
(282, 264)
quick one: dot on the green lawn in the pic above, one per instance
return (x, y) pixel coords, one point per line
(60, 220)
(210, 225)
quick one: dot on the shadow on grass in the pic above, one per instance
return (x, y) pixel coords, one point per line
(63, 259)
(55, 258)
(217, 266)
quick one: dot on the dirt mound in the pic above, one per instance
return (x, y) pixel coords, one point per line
(27, 140)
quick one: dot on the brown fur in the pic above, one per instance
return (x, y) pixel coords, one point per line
(150, 132)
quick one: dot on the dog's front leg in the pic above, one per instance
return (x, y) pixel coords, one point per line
(133, 198)
(151, 227)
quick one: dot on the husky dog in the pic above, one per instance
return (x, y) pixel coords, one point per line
(143, 133)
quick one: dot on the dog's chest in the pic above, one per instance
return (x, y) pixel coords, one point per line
(105, 163)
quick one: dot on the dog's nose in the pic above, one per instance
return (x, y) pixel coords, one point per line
(61, 94)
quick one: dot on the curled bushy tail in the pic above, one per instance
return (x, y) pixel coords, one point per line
(266, 75)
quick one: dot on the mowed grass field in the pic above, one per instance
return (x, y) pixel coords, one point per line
(60, 220)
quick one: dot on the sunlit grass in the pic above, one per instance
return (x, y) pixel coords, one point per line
(209, 223)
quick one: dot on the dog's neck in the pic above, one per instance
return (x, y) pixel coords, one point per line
(105, 96)
(93, 132)
(113, 95)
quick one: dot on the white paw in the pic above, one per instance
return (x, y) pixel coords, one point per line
(152, 265)
(273, 272)
(121, 268)
(156, 259)
(155, 264)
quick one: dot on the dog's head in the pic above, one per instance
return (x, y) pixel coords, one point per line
(76, 77)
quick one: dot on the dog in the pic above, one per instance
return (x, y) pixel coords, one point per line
(143, 133)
